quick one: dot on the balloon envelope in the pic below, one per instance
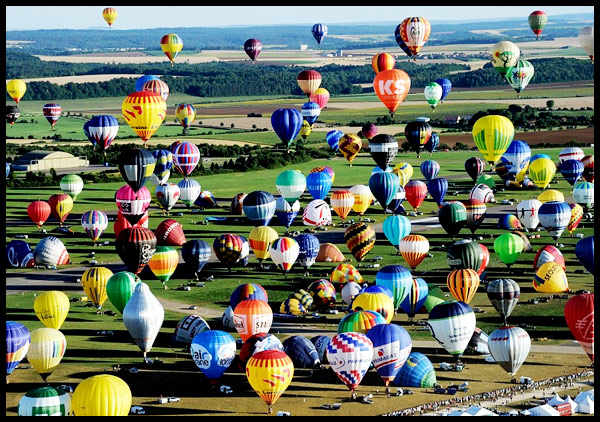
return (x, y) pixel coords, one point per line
(418, 371)
(391, 347)
(579, 313)
(452, 325)
(509, 346)
(46, 350)
(143, 317)
(213, 352)
(350, 355)
(102, 395)
(17, 344)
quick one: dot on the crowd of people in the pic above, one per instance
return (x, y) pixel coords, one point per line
(563, 381)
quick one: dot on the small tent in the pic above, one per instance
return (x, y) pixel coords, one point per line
(569, 400)
(544, 410)
(581, 396)
(586, 406)
(479, 411)
(556, 400)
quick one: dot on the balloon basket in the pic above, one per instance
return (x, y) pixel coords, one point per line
(270, 410)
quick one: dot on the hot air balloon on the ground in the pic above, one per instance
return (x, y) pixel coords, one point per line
(328, 252)
(519, 75)
(284, 252)
(476, 210)
(360, 239)
(396, 227)
(483, 193)
(52, 113)
(527, 213)
(135, 246)
(391, 87)
(167, 195)
(45, 401)
(317, 213)
(350, 291)
(72, 185)
(432, 143)
(391, 347)
(269, 373)
(345, 273)
(102, 395)
(383, 149)
(504, 55)
(584, 250)
(414, 249)
(417, 372)
(415, 31)
(38, 212)
(309, 247)
(550, 278)
(579, 313)
(144, 112)
(548, 253)
(342, 202)
(213, 352)
(51, 251)
(350, 355)
(437, 188)
(323, 293)
(164, 263)
(463, 284)
(259, 206)
(94, 281)
(228, 249)
(377, 302)
(417, 134)
(188, 328)
(255, 344)
(309, 81)
(452, 324)
(433, 94)
(576, 216)
(350, 145)
(569, 153)
(120, 287)
(286, 212)
(586, 40)
(16, 88)
(319, 31)
(12, 114)
(492, 135)
(452, 217)
(583, 193)
(302, 352)
(416, 297)
(46, 349)
(333, 138)
(430, 169)
(260, 239)
(17, 345)
(554, 217)
(503, 295)
(571, 170)
(541, 172)
(169, 233)
(508, 247)
(60, 207)
(143, 316)
(509, 346)
(19, 254)
(416, 191)
(185, 115)
(537, 22)
(252, 316)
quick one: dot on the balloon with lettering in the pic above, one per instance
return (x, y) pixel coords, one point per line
(392, 86)
(391, 347)
(252, 316)
(213, 352)
(135, 246)
(452, 324)
(579, 313)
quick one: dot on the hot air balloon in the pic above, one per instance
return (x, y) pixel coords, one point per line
(463, 284)
(437, 188)
(569, 153)
(509, 346)
(583, 193)
(342, 202)
(482, 192)
(305, 130)
(541, 172)
(309, 81)
(228, 248)
(350, 146)
(286, 123)
(584, 250)
(139, 83)
(414, 249)
(236, 206)
(157, 86)
(72, 185)
(319, 31)
(474, 167)
(527, 213)
(508, 247)
(16, 88)
(213, 352)
(517, 157)
(135, 246)
(433, 94)
(143, 316)
(350, 355)
(102, 129)
(576, 216)
(52, 113)
(269, 373)
(167, 195)
(416, 191)
(302, 352)
(346, 273)
(252, 47)
(38, 212)
(503, 295)
(196, 254)
(384, 186)
(579, 313)
(317, 213)
(188, 328)
(94, 281)
(586, 40)
(476, 210)
(414, 31)
(19, 254)
(12, 114)
(519, 75)
(452, 324)
(169, 233)
(571, 170)
(255, 344)
(286, 212)
(17, 345)
(284, 252)
(396, 227)
(318, 184)
(144, 112)
(51, 251)
(328, 252)
(452, 217)
(554, 217)
(60, 207)
(430, 169)
(333, 138)
(136, 166)
(246, 292)
(548, 253)
(120, 287)
(492, 135)
(416, 297)
(46, 349)
(350, 291)
(252, 316)
(321, 97)
(45, 401)
(308, 250)
(324, 169)
(323, 293)
(171, 45)
(391, 347)
(550, 278)
(360, 239)
(102, 395)
(362, 198)
(291, 185)
(504, 55)
(189, 190)
(465, 254)
(418, 371)
(446, 87)
(185, 115)
(186, 158)
(537, 22)
(110, 15)
(310, 112)
(259, 207)
(383, 149)
(260, 239)
(378, 302)
(383, 61)
(164, 263)
(417, 133)
(392, 86)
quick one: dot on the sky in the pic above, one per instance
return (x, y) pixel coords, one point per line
(136, 17)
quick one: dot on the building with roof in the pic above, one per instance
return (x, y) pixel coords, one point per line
(41, 160)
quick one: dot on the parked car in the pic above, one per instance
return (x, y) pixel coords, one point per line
(173, 399)
(137, 410)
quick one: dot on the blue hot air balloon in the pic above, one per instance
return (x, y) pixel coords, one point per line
(19, 254)
(395, 227)
(86, 131)
(213, 352)
(571, 170)
(384, 187)
(104, 129)
(395, 204)
(438, 188)
(302, 352)
(517, 156)
(333, 139)
(247, 291)
(430, 169)
(391, 348)
(432, 143)
(195, 254)
(319, 31)
(318, 184)
(397, 279)
(554, 217)
(17, 344)
(416, 372)
(446, 87)
(139, 83)
(584, 250)
(310, 112)
(286, 212)
(259, 207)
(164, 162)
(309, 249)
(287, 123)
(414, 300)
(321, 343)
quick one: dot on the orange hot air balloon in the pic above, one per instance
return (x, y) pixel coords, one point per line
(309, 81)
(383, 61)
(252, 316)
(414, 249)
(350, 146)
(60, 206)
(144, 112)
(463, 284)
(342, 202)
(392, 86)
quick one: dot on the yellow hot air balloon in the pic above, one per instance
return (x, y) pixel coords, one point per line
(171, 45)
(362, 198)
(492, 135)
(306, 129)
(46, 349)
(403, 177)
(551, 195)
(16, 89)
(94, 284)
(144, 112)
(110, 15)
(378, 302)
(102, 395)
(52, 308)
(270, 372)
(404, 167)
(541, 172)
(550, 278)
(260, 239)
(350, 146)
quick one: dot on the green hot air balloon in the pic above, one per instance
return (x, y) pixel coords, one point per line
(519, 75)
(487, 180)
(119, 288)
(291, 184)
(537, 22)
(453, 217)
(71, 184)
(508, 247)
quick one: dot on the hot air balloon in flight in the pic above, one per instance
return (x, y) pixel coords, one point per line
(576, 216)
(503, 295)
(391, 87)
(157, 86)
(317, 213)
(52, 113)
(286, 123)
(94, 281)
(135, 246)
(504, 55)
(252, 47)
(46, 349)
(72, 185)
(437, 188)
(446, 87)
(45, 401)
(476, 210)
(38, 212)
(342, 202)
(452, 324)
(350, 355)
(492, 135)
(350, 145)
(120, 287)
(383, 149)
(508, 247)
(17, 345)
(167, 195)
(320, 96)
(430, 169)
(414, 249)
(537, 22)
(50, 251)
(136, 166)
(360, 239)
(270, 372)
(391, 347)
(310, 112)
(333, 138)
(362, 198)
(586, 40)
(189, 190)
(305, 130)
(110, 15)
(474, 167)
(102, 395)
(143, 316)
(185, 115)
(433, 94)
(102, 129)
(554, 217)
(171, 45)
(284, 253)
(16, 88)
(584, 250)
(417, 134)
(579, 313)
(12, 114)
(415, 31)
(286, 212)
(319, 31)
(550, 278)
(144, 112)
(309, 81)
(213, 352)
(260, 240)
(509, 346)
(383, 61)
(519, 76)
(185, 158)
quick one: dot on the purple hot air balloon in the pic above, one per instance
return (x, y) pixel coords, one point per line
(252, 47)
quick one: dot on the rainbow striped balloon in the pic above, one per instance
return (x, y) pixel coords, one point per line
(164, 262)
(360, 322)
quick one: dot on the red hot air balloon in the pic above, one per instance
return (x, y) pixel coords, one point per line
(252, 47)
(60, 206)
(579, 313)
(416, 191)
(169, 233)
(38, 211)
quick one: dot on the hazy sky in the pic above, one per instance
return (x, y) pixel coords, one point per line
(136, 17)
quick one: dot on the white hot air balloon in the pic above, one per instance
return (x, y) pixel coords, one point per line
(45, 401)
(143, 316)
(482, 192)
(189, 191)
(350, 291)
(350, 355)
(527, 213)
(50, 251)
(452, 324)
(509, 346)
(317, 213)
(167, 195)
(284, 252)
(586, 39)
